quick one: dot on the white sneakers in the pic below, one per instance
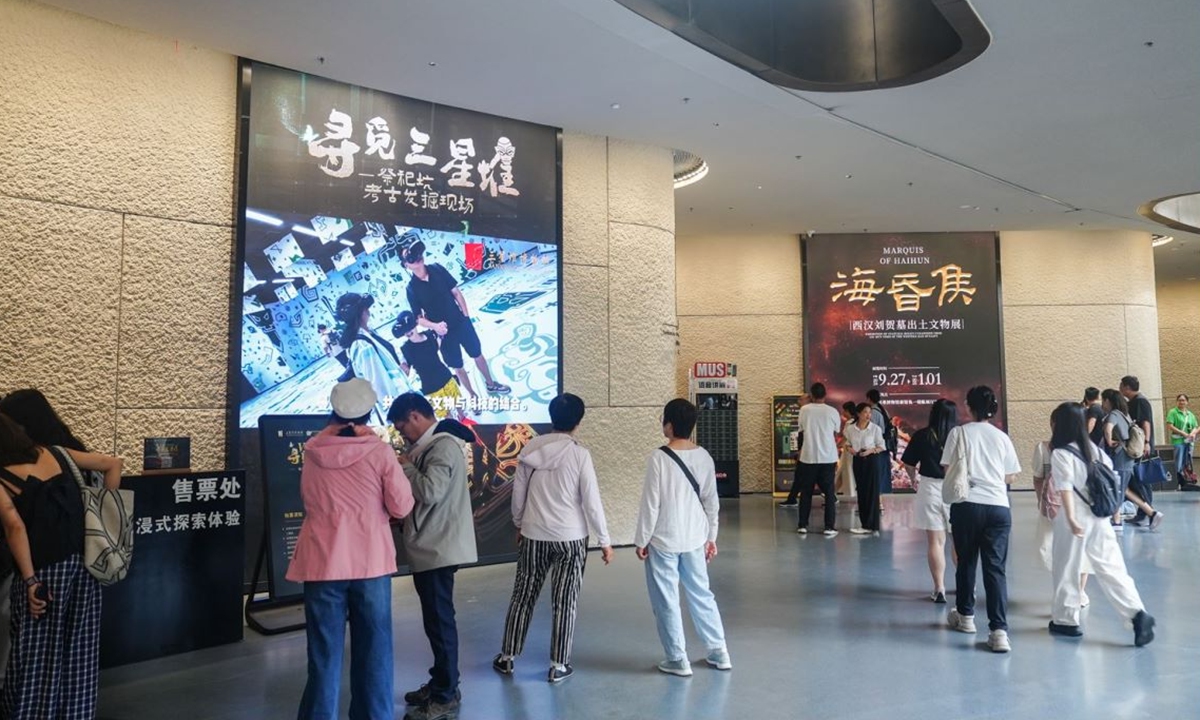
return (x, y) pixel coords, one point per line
(960, 623)
(998, 641)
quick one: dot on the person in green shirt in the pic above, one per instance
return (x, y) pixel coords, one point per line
(1181, 423)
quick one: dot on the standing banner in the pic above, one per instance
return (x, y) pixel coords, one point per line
(401, 241)
(915, 315)
(785, 441)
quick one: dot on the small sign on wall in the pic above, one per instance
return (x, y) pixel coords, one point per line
(161, 454)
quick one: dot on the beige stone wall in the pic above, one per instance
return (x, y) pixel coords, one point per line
(740, 301)
(1079, 310)
(1179, 340)
(116, 223)
(619, 325)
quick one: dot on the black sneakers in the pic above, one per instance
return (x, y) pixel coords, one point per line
(1065, 630)
(557, 675)
(1143, 629)
(501, 665)
(421, 696)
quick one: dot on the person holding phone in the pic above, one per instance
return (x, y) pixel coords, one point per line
(54, 665)
(871, 466)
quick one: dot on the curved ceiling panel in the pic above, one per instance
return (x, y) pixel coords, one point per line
(828, 45)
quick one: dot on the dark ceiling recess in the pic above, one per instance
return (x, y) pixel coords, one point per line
(828, 45)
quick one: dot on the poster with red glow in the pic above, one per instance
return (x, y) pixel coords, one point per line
(915, 315)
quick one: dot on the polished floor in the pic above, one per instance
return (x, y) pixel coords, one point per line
(817, 628)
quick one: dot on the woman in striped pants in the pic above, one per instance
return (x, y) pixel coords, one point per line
(555, 499)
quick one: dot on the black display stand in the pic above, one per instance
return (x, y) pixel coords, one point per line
(184, 587)
(271, 617)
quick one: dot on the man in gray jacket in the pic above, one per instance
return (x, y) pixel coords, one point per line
(439, 536)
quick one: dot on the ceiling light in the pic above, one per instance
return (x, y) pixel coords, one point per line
(964, 207)
(263, 218)
(432, 64)
(1160, 240)
(692, 176)
(615, 106)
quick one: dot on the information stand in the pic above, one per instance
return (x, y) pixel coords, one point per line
(712, 386)
(282, 439)
(785, 442)
(184, 587)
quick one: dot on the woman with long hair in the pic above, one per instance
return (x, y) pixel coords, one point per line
(372, 358)
(1117, 424)
(923, 456)
(54, 667)
(982, 523)
(1079, 534)
(871, 462)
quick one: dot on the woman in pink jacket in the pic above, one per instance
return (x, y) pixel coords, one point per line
(352, 485)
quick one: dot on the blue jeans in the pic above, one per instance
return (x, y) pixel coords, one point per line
(664, 573)
(368, 606)
(1182, 453)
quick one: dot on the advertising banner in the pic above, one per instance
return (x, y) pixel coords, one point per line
(785, 441)
(713, 386)
(184, 587)
(915, 315)
(407, 243)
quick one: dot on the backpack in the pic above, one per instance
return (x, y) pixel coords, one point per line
(1135, 444)
(1050, 500)
(1103, 486)
(891, 439)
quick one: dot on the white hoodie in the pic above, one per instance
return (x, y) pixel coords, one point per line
(555, 494)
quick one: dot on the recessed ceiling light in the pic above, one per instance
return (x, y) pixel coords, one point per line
(432, 64)
(849, 176)
(964, 207)
(760, 187)
(1160, 240)
(615, 106)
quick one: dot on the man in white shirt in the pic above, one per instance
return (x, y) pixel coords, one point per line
(676, 536)
(820, 424)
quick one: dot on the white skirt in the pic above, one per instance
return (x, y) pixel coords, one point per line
(930, 512)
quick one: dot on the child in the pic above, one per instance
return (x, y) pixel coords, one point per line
(421, 354)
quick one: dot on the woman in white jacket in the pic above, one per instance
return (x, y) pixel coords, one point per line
(1079, 534)
(555, 499)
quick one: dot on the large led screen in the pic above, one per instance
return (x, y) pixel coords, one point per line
(407, 243)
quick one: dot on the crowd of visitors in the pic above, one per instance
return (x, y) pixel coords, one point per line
(354, 487)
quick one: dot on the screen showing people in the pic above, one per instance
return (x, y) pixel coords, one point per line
(470, 322)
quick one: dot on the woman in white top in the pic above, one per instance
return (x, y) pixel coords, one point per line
(555, 499)
(865, 439)
(1079, 534)
(982, 523)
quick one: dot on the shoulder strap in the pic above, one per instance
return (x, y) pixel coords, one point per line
(11, 479)
(378, 342)
(64, 458)
(683, 466)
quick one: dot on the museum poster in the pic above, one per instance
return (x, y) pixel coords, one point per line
(915, 315)
(785, 413)
(407, 243)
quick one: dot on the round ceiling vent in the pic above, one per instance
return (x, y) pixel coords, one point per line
(689, 168)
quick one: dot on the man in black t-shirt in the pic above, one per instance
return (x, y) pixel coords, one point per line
(438, 304)
(1094, 413)
(1143, 414)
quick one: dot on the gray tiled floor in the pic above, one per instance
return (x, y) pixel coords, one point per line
(818, 628)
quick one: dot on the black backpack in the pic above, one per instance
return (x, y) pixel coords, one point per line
(1103, 486)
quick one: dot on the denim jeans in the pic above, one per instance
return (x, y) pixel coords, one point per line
(435, 589)
(981, 533)
(1183, 453)
(664, 573)
(368, 606)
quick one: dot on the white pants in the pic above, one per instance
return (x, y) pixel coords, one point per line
(1071, 555)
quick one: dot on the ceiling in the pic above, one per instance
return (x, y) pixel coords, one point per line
(1078, 112)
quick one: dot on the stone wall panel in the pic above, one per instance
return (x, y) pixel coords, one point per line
(637, 192)
(585, 333)
(642, 315)
(585, 199)
(206, 428)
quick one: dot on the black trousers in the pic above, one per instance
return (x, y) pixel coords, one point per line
(819, 475)
(435, 589)
(981, 533)
(870, 473)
